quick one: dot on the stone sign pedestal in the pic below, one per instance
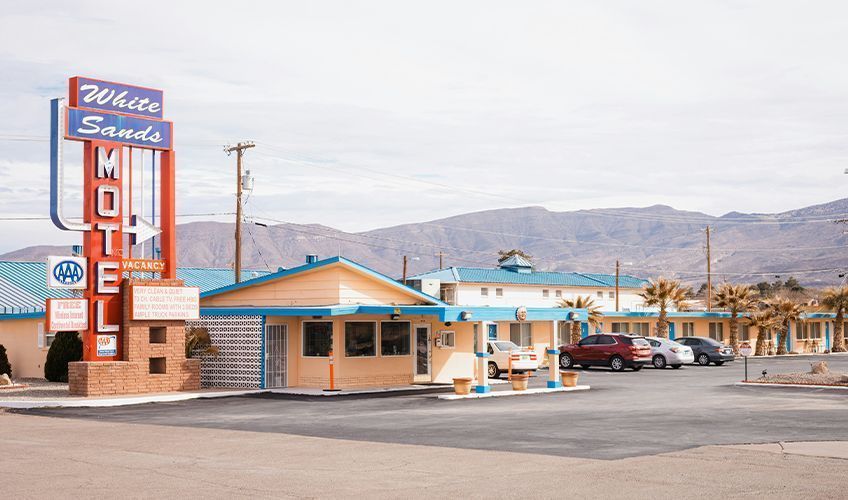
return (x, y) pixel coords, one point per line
(153, 357)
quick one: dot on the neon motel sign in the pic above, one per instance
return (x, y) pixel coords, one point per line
(108, 118)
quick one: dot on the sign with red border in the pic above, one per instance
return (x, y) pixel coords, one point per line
(67, 315)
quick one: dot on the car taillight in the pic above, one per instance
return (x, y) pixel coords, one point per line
(533, 357)
(718, 349)
(675, 349)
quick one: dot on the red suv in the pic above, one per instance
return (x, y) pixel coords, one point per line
(618, 351)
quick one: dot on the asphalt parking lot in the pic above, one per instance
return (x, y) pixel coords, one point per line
(625, 414)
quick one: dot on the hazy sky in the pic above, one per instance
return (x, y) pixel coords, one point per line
(369, 114)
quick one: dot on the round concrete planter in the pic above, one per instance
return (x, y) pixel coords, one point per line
(569, 379)
(462, 385)
(519, 382)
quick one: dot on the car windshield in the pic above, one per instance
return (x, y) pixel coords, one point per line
(506, 346)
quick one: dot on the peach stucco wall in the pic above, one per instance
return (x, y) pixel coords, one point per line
(20, 337)
(334, 284)
(446, 363)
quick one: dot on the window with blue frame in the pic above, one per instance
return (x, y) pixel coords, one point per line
(493, 331)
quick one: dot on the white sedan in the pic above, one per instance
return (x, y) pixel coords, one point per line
(500, 352)
(665, 352)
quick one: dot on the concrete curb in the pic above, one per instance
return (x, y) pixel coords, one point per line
(119, 401)
(790, 386)
(497, 394)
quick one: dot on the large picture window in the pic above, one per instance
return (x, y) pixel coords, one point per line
(521, 334)
(717, 331)
(394, 338)
(317, 338)
(360, 339)
(620, 327)
(687, 329)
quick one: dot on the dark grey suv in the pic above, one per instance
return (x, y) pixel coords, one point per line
(707, 350)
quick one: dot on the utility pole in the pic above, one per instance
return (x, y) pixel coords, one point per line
(617, 270)
(404, 269)
(709, 275)
(440, 255)
(239, 149)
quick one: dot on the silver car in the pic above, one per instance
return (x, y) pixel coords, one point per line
(665, 352)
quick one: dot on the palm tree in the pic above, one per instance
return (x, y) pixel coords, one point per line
(199, 342)
(785, 311)
(764, 322)
(664, 293)
(588, 303)
(735, 299)
(836, 299)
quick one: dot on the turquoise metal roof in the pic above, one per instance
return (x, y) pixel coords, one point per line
(509, 276)
(23, 285)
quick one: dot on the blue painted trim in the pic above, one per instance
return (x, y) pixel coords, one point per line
(322, 263)
(827, 335)
(26, 315)
(698, 314)
(482, 389)
(554, 384)
(788, 336)
(443, 313)
(553, 351)
(482, 354)
(262, 355)
(279, 311)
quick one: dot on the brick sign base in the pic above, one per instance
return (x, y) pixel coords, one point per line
(153, 355)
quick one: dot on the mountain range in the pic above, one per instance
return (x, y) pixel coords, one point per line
(806, 243)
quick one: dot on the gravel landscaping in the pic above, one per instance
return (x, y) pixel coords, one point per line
(805, 379)
(34, 388)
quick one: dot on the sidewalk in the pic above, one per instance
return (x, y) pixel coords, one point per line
(80, 402)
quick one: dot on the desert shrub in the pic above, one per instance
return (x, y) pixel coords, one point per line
(5, 366)
(66, 347)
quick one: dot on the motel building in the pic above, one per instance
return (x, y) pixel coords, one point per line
(515, 282)
(277, 329)
(283, 329)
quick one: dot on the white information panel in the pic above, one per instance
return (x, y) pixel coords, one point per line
(165, 302)
(66, 272)
(64, 315)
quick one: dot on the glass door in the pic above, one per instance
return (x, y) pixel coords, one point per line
(422, 353)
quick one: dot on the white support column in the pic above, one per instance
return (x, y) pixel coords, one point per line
(553, 358)
(482, 360)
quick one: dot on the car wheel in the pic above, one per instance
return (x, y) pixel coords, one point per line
(659, 361)
(719, 363)
(636, 368)
(676, 366)
(566, 361)
(616, 363)
(494, 372)
(703, 360)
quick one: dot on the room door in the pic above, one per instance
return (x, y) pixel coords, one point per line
(422, 354)
(276, 355)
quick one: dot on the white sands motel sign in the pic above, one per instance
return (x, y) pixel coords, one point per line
(109, 117)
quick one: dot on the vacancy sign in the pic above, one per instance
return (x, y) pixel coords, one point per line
(164, 302)
(65, 315)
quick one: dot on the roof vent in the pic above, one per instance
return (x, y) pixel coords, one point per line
(518, 264)
(311, 258)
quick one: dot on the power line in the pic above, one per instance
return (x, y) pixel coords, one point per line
(39, 217)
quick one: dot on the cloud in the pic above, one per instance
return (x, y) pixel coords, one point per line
(376, 113)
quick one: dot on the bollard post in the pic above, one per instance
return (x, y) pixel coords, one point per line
(509, 373)
(331, 361)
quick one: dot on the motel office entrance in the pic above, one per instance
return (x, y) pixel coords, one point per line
(276, 356)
